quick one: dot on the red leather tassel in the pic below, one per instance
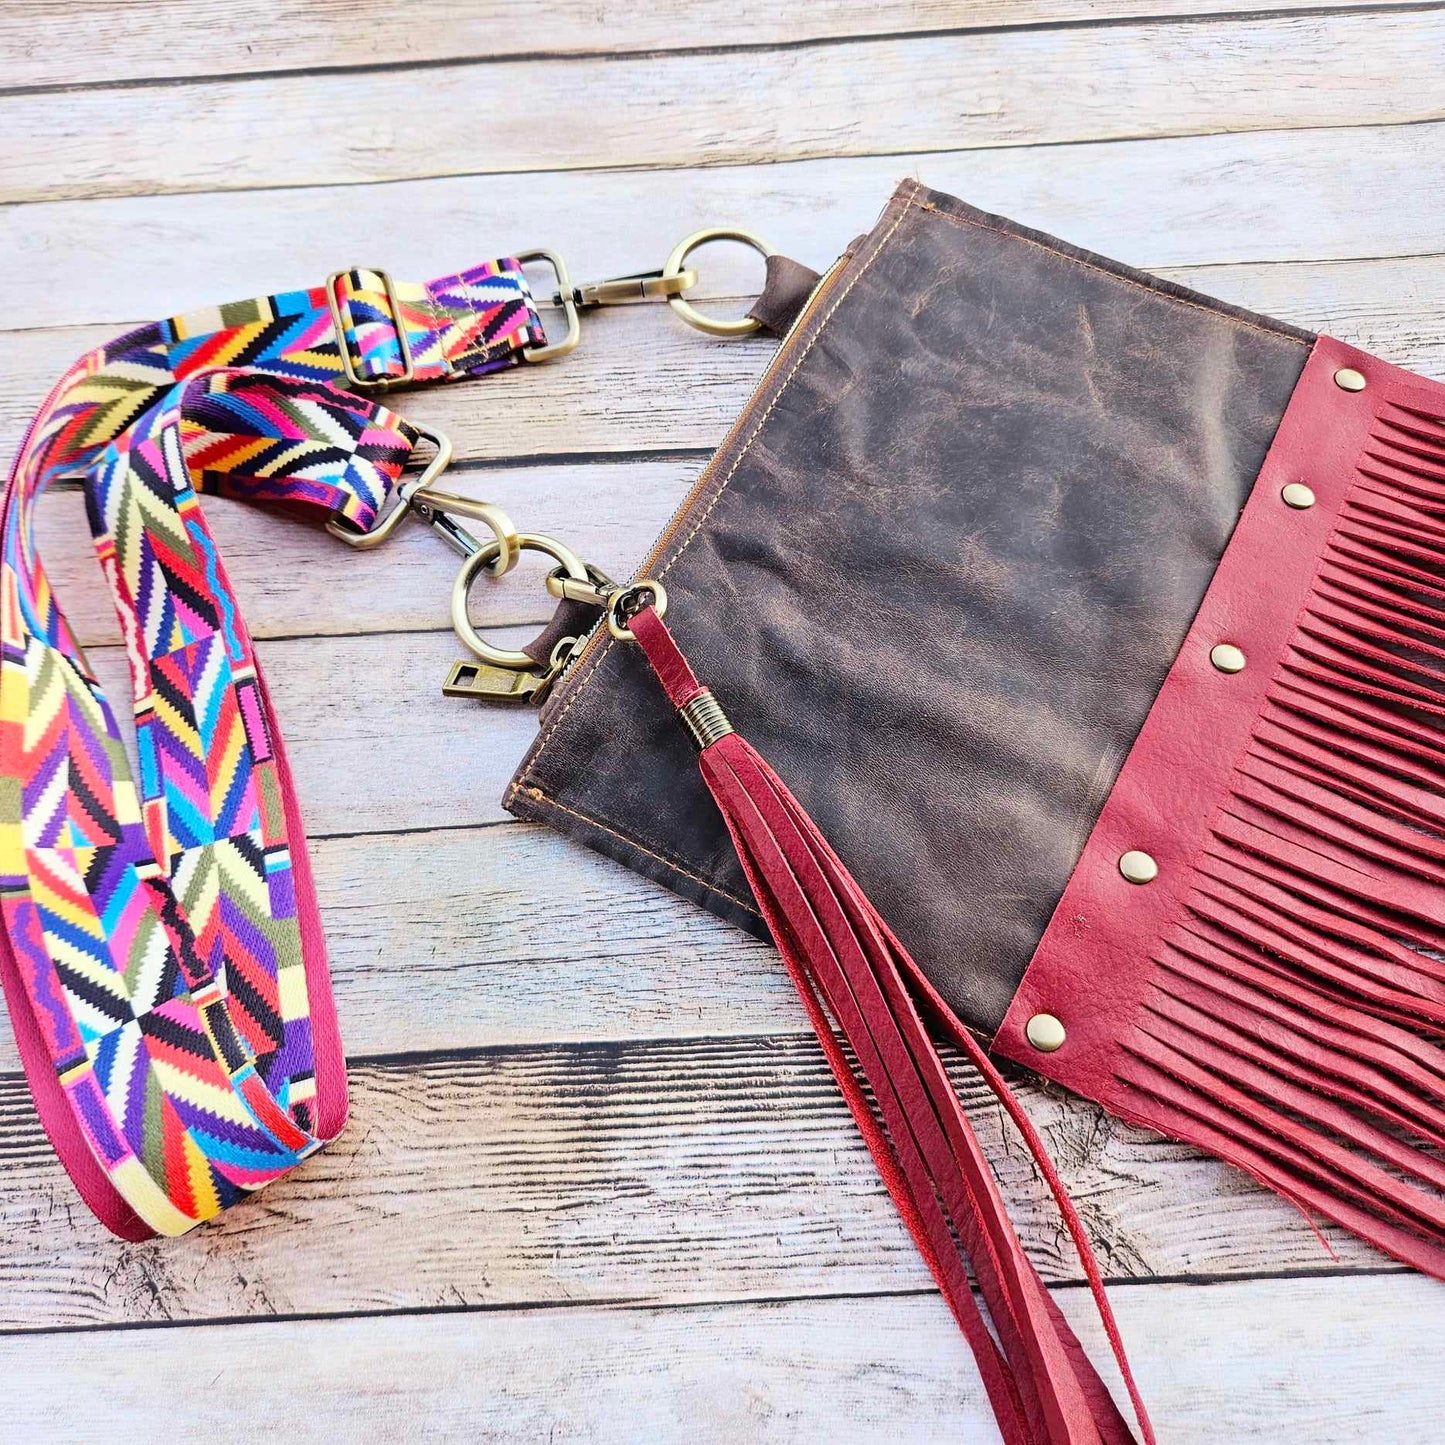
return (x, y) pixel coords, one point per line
(846, 963)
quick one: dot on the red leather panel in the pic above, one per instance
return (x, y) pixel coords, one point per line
(1262, 996)
(1091, 965)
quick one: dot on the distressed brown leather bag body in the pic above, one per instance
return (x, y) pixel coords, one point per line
(1100, 627)
(952, 547)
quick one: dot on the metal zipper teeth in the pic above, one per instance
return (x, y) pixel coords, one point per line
(705, 476)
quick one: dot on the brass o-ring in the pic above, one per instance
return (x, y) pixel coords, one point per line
(736, 326)
(482, 560)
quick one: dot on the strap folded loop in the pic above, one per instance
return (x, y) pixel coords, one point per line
(161, 952)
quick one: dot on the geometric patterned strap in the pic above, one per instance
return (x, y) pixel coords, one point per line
(161, 953)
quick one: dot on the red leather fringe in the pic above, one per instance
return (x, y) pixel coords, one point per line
(847, 964)
(1293, 1022)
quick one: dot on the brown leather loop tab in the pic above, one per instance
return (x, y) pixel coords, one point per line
(571, 619)
(785, 292)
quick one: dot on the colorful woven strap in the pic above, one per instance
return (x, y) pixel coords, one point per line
(161, 955)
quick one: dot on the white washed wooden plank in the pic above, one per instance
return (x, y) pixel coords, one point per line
(643, 381)
(49, 44)
(660, 1172)
(1331, 1361)
(294, 579)
(1263, 196)
(926, 93)
(340, 698)
(344, 699)
(493, 937)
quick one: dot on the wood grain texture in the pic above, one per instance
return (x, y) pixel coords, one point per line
(483, 938)
(63, 44)
(866, 97)
(1321, 1360)
(662, 1172)
(588, 1125)
(1193, 201)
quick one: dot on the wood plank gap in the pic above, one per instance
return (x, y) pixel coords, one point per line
(523, 461)
(639, 1305)
(421, 1312)
(1322, 261)
(742, 47)
(643, 1305)
(341, 836)
(757, 163)
(580, 458)
(604, 1049)
(1265, 1363)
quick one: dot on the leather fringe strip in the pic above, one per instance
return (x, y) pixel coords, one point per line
(1293, 1023)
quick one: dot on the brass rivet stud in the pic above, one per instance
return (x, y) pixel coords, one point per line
(1138, 867)
(1045, 1033)
(1348, 379)
(1298, 496)
(1226, 657)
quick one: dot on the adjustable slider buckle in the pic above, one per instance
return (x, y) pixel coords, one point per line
(354, 378)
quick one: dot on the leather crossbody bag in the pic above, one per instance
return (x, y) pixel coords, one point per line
(1086, 634)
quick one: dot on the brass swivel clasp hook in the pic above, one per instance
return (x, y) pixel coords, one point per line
(419, 496)
(621, 601)
(499, 674)
(669, 282)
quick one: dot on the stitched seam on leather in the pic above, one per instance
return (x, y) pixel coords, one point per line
(697, 526)
(682, 546)
(1104, 271)
(670, 864)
